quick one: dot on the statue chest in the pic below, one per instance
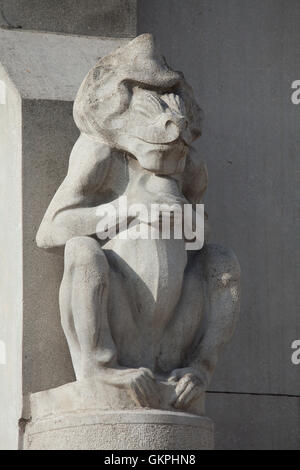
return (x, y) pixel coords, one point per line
(153, 271)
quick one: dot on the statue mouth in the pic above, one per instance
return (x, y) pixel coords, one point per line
(166, 145)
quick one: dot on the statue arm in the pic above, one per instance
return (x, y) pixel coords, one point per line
(71, 212)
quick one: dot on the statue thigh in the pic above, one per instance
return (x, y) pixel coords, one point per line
(163, 350)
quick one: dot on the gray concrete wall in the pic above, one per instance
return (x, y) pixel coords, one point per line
(88, 17)
(255, 422)
(241, 57)
(46, 359)
(11, 289)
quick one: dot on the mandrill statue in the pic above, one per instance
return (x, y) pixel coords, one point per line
(145, 319)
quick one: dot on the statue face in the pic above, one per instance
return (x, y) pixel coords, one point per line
(155, 130)
(134, 102)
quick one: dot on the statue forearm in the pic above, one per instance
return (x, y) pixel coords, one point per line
(74, 222)
(66, 225)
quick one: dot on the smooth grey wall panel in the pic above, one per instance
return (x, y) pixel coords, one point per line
(48, 137)
(245, 422)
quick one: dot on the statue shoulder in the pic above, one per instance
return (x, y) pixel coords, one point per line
(89, 164)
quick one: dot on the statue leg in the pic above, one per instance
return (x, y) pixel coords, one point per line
(218, 272)
(83, 305)
(221, 272)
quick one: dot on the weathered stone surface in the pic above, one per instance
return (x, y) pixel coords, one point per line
(152, 430)
(116, 18)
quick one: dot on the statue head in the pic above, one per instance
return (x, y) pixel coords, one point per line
(134, 102)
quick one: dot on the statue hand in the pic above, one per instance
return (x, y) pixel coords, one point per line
(143, 191)
(190, 385)
(142, 385)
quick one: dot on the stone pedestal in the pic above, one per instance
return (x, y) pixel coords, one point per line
(121, 430)
(94, 415)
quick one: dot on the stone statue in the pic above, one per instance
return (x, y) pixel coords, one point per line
(145, 319)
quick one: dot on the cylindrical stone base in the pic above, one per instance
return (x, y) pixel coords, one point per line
(121, 430)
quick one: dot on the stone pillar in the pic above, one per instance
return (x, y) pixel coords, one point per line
(39, 76)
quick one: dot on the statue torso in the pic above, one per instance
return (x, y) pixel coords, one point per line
(153, 268)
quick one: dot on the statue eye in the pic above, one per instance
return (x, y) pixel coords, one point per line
(148, 104)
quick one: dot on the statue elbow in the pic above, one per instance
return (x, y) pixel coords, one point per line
(47, 239)
(43, 238)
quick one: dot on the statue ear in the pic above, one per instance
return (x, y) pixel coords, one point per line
(198, 116)
(195, 178)
(194, 112)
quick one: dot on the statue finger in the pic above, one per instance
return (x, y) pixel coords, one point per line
(183, 399)
(175, 375)
(148, 372)
(181, 386)
(139, 394)
(151, 387)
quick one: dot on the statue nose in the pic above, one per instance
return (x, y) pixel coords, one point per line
(175, 127)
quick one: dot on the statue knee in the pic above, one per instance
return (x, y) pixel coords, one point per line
(85, 252)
